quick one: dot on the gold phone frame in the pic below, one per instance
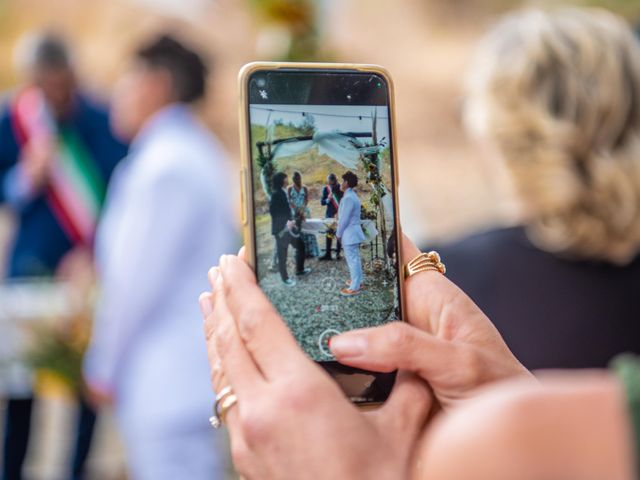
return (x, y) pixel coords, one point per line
(246, 180)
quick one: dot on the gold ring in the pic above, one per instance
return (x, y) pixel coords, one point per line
(225, 399)
(425, 262)
(225, 406)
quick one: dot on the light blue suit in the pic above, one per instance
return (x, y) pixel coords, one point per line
(351, 234)
(169, 215)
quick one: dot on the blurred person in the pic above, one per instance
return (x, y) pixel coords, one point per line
(298, 195)
(169, 211)
(331, 196)
(460, 394)
(349, 232)
(285, 230)
(554, 99)
(57, 153)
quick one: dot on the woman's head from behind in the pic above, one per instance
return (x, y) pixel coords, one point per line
(558, 94)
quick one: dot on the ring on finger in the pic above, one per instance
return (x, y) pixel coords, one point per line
(425, 262)
(225, 399)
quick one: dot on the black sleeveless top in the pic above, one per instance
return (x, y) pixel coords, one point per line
(552, 312)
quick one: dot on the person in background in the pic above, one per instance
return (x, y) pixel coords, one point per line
(57, 153)
(169, 211)
(554, 100)
(331, 196)
(350, 233)
(298, 195)
(285, 230)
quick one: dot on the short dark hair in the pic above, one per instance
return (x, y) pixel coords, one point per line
(50, 51)
(351, 179)
(332, 177)
(187, 69)
(278, 180)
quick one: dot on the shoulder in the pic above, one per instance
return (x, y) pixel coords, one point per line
(473, 261)
(92, 109)
(488, 243)
(8, 139)
(5, 118)
(166, 161)
(281, 197)
(188, 148)
(6, 101)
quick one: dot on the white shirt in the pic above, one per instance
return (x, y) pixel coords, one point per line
(169, 215)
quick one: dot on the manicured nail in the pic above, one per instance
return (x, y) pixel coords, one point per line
(344, 346)
(205, 304)
(213, 275)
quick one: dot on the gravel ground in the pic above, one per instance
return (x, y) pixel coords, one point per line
(314, 305)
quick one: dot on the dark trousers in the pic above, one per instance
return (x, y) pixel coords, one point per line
(16, 438)
(327, 252)
(282, 243)
(85, 426)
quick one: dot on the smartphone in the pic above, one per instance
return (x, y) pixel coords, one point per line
(320, 205)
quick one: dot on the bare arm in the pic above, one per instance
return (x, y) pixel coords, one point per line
(571, 427)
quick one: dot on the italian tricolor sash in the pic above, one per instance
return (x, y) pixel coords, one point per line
(333, 198)
(75, 190)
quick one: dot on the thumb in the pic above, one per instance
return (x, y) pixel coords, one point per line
(395, 346)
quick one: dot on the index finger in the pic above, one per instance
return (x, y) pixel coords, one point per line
(266, 336)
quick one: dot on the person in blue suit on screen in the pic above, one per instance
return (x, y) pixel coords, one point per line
(350, 232)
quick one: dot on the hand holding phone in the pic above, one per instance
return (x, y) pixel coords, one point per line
(319, 170)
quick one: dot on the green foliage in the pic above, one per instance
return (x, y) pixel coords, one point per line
(300, 19)
(58, 352)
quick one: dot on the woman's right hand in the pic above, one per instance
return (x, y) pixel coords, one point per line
(447, 341)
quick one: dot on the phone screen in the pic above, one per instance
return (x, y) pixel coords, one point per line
(323, 202)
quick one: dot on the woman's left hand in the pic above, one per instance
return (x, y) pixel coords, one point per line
(291, 420)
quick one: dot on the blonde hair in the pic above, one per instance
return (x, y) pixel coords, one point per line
(558, 92)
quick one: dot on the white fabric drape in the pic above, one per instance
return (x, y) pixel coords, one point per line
(335, 145)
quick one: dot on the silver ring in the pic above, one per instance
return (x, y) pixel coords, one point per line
(225, 399)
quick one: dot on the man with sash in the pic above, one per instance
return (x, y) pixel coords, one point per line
(56, 156)
(331, 196)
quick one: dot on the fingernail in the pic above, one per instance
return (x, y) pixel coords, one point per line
(344, 346)
(205, 304)
(213, 275)
(223, 261)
